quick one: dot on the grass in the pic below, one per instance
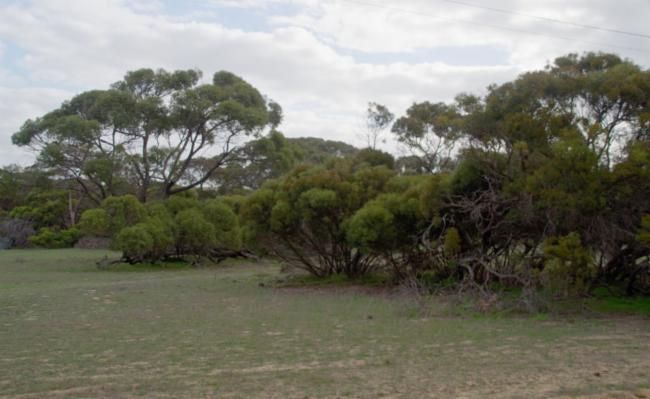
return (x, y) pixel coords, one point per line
(605, 302)
(68, 330)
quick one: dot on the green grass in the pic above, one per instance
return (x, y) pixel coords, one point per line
(638, 306)
(299, 279)
(68, 330)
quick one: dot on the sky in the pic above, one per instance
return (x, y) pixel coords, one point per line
(322, 60)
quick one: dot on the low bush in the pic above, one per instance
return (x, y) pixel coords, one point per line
(177, 227)
(50, 238)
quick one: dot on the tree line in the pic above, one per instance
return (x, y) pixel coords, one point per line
(541, 184)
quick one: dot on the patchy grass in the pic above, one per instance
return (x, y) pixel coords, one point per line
(303, 279)
(150, 267)
(68, 330)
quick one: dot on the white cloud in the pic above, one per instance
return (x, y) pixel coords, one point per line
(69, 46)
(16, 106)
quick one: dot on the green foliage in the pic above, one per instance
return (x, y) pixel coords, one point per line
(17, 184)
(122, 212)
(44, 209)
(372, 157)
(225, 223)
(371, 228)
(178, 203)
(378, 119)
(135, 242)
(181, 225)
(644, 231)
(303, 217)
(451, 246)
(95, 222)
(569, 267)
(195, 235)
(316, 151)
(519, 188)
(137, 132)
(468, 177)
(434, 194)
(391, 222)
(257, 161)
(570, 179)
(49, 238)
(616, 304)
(431, 132)
(372, 181)
(161, 230)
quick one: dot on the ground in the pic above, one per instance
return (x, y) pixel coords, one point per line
(68, 330)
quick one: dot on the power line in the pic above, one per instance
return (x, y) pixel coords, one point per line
(499, 27)
(554, 20)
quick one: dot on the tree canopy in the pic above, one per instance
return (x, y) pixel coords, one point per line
(147, 130)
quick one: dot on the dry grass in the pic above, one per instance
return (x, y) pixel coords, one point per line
(70, 331)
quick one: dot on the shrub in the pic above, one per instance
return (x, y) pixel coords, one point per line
(195, 235)
(235, 202)
(302, 217)
(372, 157)
(135, 242)
(372, 229)
(225, 222)
(95, 222)
(44, 208)
(569, 267)
(179, 226)
(48, 238)
(123, 211)
(644, 232)
(163, 238)
(452, 242)
(179, 202)
(114, 214)
(390, 227)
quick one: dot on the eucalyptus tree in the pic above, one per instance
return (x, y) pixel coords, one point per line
(430, 132)
(378, 119)
(255, 162)
(597, 98)
(144, 133)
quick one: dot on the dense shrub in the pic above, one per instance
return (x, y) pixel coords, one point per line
(135, 242)
(44, 209)
(179, 226)
(195, 235)
(95, 222)
(371, 157)
(49, 238)
(644, 232)
(303, 217)
(569, 267)
(225, 223)
(372, 228)
(452, 243)
(393, 226)
(123, 211)
(114, 214)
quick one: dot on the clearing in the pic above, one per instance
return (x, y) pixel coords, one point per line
(68, 330)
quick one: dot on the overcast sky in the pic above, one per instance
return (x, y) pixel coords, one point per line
(322, 60)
